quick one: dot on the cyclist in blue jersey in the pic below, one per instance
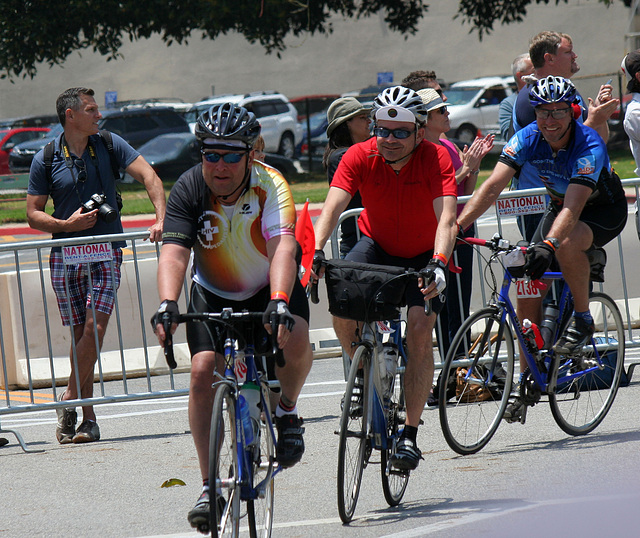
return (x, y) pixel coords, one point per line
(552, 53)
(587, 208)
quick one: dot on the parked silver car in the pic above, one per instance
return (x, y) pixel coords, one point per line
(473, 106)
(277, 116)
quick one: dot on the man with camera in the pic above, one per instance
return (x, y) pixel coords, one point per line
(79, 178)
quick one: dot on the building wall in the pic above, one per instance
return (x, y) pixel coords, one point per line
(348, 59)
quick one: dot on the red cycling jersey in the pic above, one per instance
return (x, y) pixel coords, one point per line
(398, 206)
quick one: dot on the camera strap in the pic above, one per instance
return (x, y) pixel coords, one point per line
(69, 162)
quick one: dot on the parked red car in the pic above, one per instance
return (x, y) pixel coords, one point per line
(11, 137)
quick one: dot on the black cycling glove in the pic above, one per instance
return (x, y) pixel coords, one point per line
(280, 309)
(538, 259)
(318, 260)
(434, 272)
(167, 312)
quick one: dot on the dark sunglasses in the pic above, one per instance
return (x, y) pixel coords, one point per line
(556, 114)
(442, 110)
(400, 134)
(228, 158)
(82, 170)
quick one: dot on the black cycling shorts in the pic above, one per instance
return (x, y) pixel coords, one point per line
(210, 336)
(606, 221)
(366, 250)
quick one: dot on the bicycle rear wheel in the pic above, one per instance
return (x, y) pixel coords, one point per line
(579, 404)
(223, 466)
(260, 510)
(476, 381)
(352, 447)
(394, 481)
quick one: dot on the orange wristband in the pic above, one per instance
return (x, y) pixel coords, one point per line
(276, 295)
(441, 257)
(550, 244)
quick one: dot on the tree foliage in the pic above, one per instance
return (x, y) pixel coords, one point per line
(41, 31)
(482, 14)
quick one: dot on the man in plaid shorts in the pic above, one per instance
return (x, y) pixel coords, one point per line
(80, 180)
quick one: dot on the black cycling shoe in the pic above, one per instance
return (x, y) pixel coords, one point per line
(407, 455)
(290, 446)
(356, 409)
(577, 335)
(516, 408)
(514, 412)
(199, 515)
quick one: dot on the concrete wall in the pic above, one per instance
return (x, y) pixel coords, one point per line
(348, 59)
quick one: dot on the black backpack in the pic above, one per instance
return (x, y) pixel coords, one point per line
(105, 137)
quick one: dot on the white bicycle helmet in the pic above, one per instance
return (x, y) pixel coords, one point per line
(552, 90)
(401, 97)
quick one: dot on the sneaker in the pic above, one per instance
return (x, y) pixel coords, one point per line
(407, 455)
(87, 432)
(577, 335)
(3, 441)
(198, 516)
(290, 446)
(66, 428)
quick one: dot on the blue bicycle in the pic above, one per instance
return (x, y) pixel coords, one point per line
(374, 408)
(479, 368)
(242, 462)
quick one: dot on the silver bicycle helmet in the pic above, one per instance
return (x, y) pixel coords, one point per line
(401, 97)
(228, 122)
(552, 90)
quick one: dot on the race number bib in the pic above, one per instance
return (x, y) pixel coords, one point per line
(526, 289)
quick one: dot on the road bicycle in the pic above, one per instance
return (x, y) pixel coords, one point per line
(373, 408)
(479, 368)
(242, 464)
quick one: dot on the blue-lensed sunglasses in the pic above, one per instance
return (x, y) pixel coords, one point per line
(400, 134)
(228, 158)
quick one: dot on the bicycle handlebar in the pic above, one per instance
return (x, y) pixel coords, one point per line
(498, 244)
(313, 288)
(225, 317)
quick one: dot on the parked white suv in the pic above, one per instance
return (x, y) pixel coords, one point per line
(277, 116)
(473, 106)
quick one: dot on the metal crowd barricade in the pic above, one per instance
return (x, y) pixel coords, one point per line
(35, 347)
(625, 291)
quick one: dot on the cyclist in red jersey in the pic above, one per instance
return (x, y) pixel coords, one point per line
(408, 190)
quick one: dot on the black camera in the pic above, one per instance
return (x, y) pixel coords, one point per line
(99, 202)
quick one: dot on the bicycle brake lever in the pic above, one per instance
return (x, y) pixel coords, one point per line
(168, 341)
(313, 293)
(273, 320)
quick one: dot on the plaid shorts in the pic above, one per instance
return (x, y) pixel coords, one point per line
(79, 298)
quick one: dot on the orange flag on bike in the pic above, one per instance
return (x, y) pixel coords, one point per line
(307, 239)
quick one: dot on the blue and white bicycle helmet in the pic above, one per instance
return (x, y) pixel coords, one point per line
(228, 122)
(552, 90)
(400, 97)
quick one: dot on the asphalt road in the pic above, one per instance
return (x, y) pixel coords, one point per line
(531, 479)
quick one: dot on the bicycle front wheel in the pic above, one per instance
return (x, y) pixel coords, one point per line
(476, 381)
(352, 447)
(394, 481)
(580, 402)
(260, 509)
(223, 466)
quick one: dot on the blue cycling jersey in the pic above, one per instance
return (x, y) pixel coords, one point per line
(584, 161)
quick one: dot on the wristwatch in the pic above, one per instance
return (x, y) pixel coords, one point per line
(554, 242)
